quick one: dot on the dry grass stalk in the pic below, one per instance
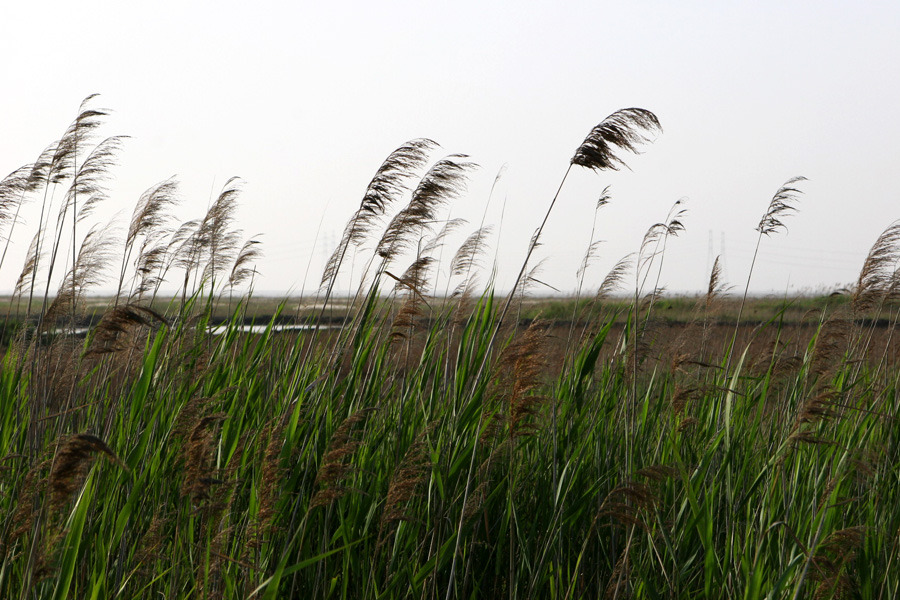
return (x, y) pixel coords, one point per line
(336, 467)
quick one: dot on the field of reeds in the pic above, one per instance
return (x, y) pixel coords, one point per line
(422, 447)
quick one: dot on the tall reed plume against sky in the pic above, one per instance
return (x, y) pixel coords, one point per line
(305, 102)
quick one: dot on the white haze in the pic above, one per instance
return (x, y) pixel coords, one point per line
(304, 100)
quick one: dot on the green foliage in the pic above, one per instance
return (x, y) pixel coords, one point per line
(257, 465)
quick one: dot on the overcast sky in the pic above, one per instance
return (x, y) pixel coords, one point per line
(304, 100)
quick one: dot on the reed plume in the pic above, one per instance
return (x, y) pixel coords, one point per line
(88, 271)
(33, 485)
(39, 175)
(149, 220)
(407, 479)
(616, 277)
(444, 181)
(830, 345)
(148, 549)
(73, 460)
(210, 238)
(150, 212)
(783, 204)
(12, 192)
(77, 136)
(466, 259)
(26, 276)
(590, 255)
(390, 182)
(198, 453)
(593, 245)
(414, 280)
(272, 472)
(831, 564)
(92, 176)
(524, 361)
(149, 269)
(55, 166)
(215, 236)
(435, 243)
(181, 248)
(877, 277)
(335, 467)
(716, 286)
(244, 267)
(118, 323)
(86, 178)
(626, 129)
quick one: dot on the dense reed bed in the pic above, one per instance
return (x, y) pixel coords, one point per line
(430, 449)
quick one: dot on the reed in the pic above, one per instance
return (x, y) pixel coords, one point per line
(433, 446)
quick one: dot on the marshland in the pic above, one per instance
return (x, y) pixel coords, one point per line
(426, 440)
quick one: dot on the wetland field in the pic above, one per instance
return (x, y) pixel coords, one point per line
(618, 443)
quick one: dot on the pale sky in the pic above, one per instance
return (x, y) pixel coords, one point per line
(304, 100)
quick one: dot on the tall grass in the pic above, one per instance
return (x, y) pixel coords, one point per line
(431, 447)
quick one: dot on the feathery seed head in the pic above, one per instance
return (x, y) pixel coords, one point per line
(625, 129)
